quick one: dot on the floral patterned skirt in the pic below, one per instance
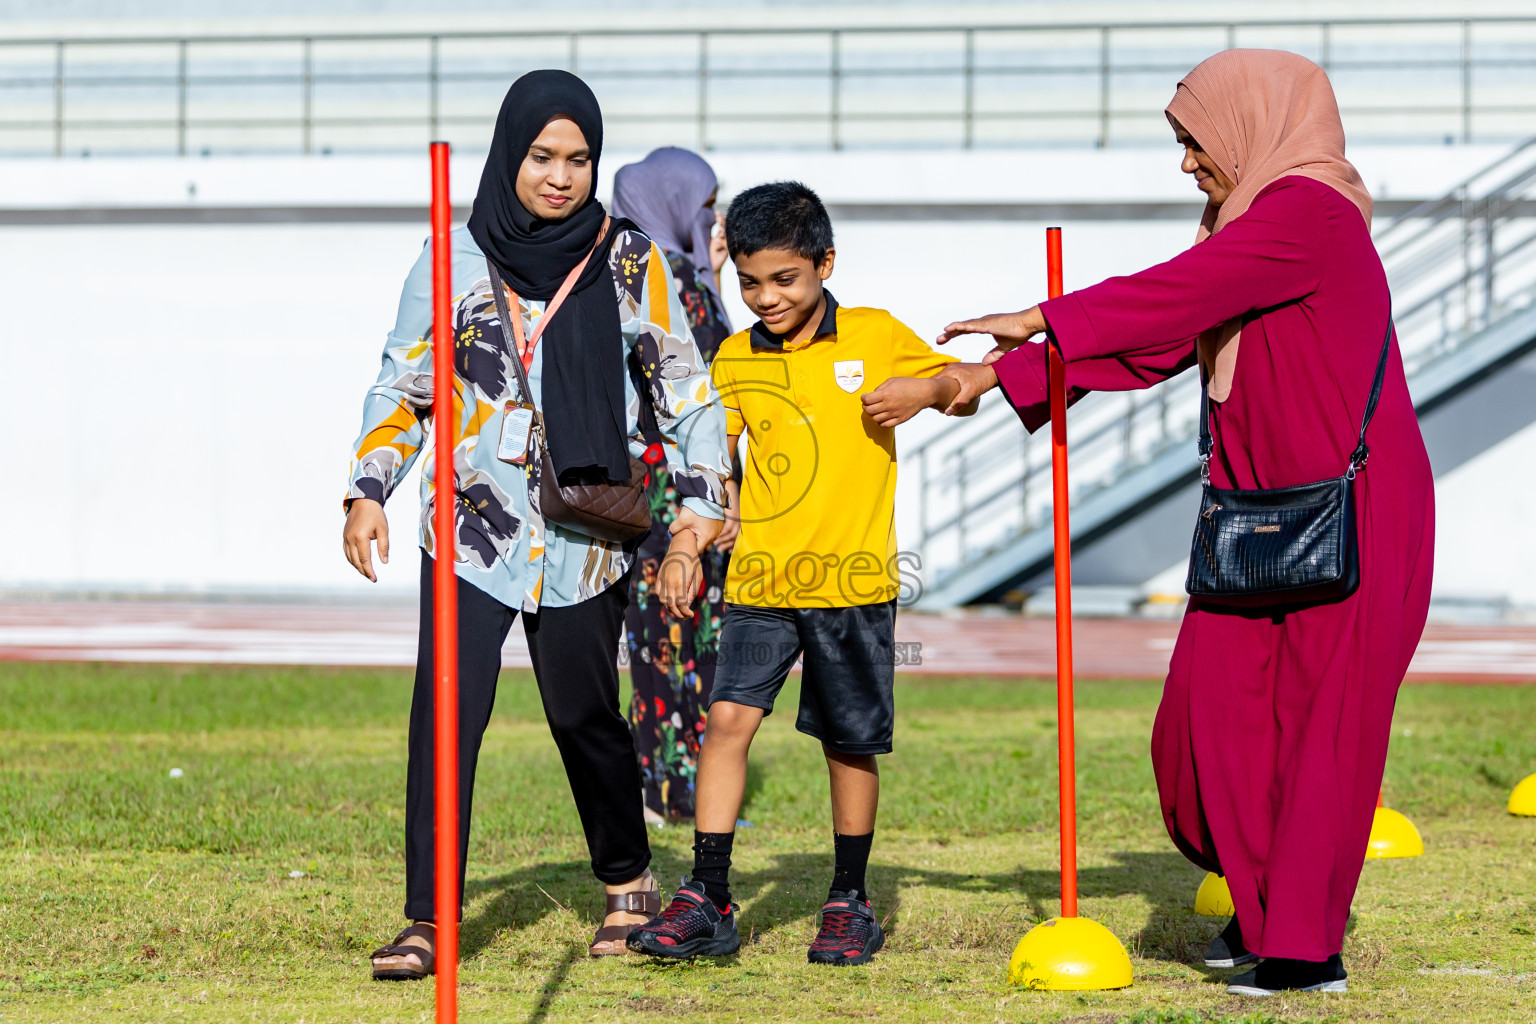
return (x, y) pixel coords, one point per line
(672, 665)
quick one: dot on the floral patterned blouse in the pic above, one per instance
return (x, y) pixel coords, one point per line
(504, 546)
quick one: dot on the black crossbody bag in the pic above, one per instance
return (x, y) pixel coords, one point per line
(1284, 545)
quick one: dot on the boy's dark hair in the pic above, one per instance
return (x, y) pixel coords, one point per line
(779, 215)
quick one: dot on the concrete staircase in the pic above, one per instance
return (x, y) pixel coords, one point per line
(1463, 273)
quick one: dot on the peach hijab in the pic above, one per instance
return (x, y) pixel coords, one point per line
(1261, 115)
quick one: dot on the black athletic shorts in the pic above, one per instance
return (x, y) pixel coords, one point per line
(846, 688)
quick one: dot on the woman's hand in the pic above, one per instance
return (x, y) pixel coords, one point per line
(718, 250)
(677, 580)
(727, 538)
(1009, 330)
(365, 524)
(703, 528)
(974, 380)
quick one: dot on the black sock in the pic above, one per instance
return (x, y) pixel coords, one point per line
(712, 866)
(852, 857)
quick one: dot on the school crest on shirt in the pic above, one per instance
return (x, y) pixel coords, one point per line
(849, 374)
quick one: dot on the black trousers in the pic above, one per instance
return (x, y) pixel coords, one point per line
(574, 652)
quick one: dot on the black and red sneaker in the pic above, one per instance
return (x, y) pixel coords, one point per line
(690, 926)
(849, 932)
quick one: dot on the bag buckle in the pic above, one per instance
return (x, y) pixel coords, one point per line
(1357, 460)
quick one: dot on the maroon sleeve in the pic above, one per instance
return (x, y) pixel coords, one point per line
(1023, 375)
(1131, 332)
(1271, 255)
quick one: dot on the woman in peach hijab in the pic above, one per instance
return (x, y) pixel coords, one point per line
(1272, 735)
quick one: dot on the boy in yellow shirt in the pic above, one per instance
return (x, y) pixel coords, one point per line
(817, 388)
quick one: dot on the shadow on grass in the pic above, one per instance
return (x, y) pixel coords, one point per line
(523, 898)
(792, 888)
(551, 988)
(520, 899)
(1173, 933)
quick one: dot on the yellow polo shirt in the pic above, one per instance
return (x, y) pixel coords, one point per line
(818, 491)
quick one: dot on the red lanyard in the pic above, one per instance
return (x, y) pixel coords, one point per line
(525, 346)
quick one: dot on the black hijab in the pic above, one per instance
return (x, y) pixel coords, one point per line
(583, 377)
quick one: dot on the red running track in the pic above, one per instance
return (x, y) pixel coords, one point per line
(970, 644)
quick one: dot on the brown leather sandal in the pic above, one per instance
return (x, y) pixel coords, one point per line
(396, 962)
(610, 938)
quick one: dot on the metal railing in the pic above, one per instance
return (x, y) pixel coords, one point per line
(1440, 79)
(1461, 263)
(1457, 265)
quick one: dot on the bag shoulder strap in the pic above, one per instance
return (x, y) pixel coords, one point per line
(1362, 450)
(1206, 444)
(1357, 458)
(499, 290)
(648, 424)
(524, 390)
(499, 287)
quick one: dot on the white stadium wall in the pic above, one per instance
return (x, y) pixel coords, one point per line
(183, 396)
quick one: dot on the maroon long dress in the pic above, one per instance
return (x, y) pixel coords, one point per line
(1271, 738)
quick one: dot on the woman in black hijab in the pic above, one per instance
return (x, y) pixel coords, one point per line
(536, 249)
(587, 294)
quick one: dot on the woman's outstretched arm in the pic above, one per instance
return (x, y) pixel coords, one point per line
(1130, 332)
(1022, 375)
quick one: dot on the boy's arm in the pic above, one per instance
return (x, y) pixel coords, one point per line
(898, 399)
(914, 384)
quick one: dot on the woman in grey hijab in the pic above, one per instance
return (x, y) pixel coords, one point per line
(670, 195)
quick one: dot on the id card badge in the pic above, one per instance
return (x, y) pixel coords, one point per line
(516, 428)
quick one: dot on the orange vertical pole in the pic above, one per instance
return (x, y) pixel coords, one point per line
(1061, 520)
(445, 601)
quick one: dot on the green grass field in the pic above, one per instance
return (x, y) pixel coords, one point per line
(128, 895)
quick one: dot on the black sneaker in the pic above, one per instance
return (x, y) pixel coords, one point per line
(849, 932)
(1227, 949)
(1276, 975)
(690, 926)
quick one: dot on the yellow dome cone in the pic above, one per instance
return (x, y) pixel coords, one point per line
(1214, 898)
(1067, 954)
(1393, 835)
(1523, 799)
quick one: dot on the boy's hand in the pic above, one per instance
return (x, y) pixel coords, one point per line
(727, 538)
(365, 523)
(974, 380)
(898, 399)
(677, 580)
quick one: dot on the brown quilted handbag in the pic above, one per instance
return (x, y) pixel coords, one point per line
(607, 511)
(615, 512)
